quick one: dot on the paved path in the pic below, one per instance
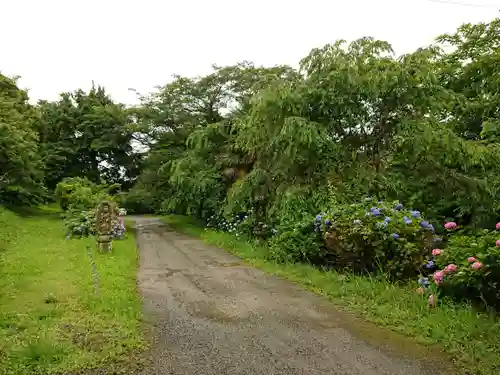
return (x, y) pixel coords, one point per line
(212, 315)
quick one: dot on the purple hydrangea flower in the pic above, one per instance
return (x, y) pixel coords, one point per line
(399, 206)
(387, 219)
(424, 224)
(376, 212)
(415, 213)
(430, 264)
(328, 222)
(395, 236)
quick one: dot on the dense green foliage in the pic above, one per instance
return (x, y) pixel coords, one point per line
(86, 135)
(20, 163)
(353, 121)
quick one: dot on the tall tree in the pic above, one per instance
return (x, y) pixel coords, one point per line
(472, 71)
(188, 115)
(20, 164)
(88, 135)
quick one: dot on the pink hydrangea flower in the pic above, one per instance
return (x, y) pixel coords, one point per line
(436, 252)
(471, 259)
(450, 225)
(450, 268)
(498, 243)
(498, 226)
(476, 265)
(438, 277)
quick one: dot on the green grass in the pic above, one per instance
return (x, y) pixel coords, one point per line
(468, 337)
(51, 319)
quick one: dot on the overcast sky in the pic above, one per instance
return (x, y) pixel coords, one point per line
(62, 45)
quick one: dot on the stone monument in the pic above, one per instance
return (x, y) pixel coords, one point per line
(104, 217)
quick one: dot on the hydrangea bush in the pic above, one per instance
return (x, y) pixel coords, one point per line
(244, 224)
(79, 223)
(82, 223)
(371, 236)
(467, 267)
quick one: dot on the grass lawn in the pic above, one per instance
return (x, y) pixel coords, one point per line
(51, 319)
(468, 337)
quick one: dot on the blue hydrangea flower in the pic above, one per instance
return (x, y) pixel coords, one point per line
(430, 264)
(387, 219)
(376, 212)
(395, 236)
(408, 221)
(328, 222)
(318, 218)
(399, 207)
(430, 227)
(415, 213)
(423, 281)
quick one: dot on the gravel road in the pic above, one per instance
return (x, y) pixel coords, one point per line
(210, 314)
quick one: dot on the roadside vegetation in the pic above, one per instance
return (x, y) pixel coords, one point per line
(53, 320)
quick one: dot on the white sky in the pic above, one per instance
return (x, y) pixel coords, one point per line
(62, 45)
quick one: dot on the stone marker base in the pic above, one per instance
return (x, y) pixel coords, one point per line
(104, 243)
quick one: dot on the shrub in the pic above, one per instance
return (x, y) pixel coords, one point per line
(297, 243)
(79, 223)
(245, 224)
(369, 236)
(469, 267)
(81, 193)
